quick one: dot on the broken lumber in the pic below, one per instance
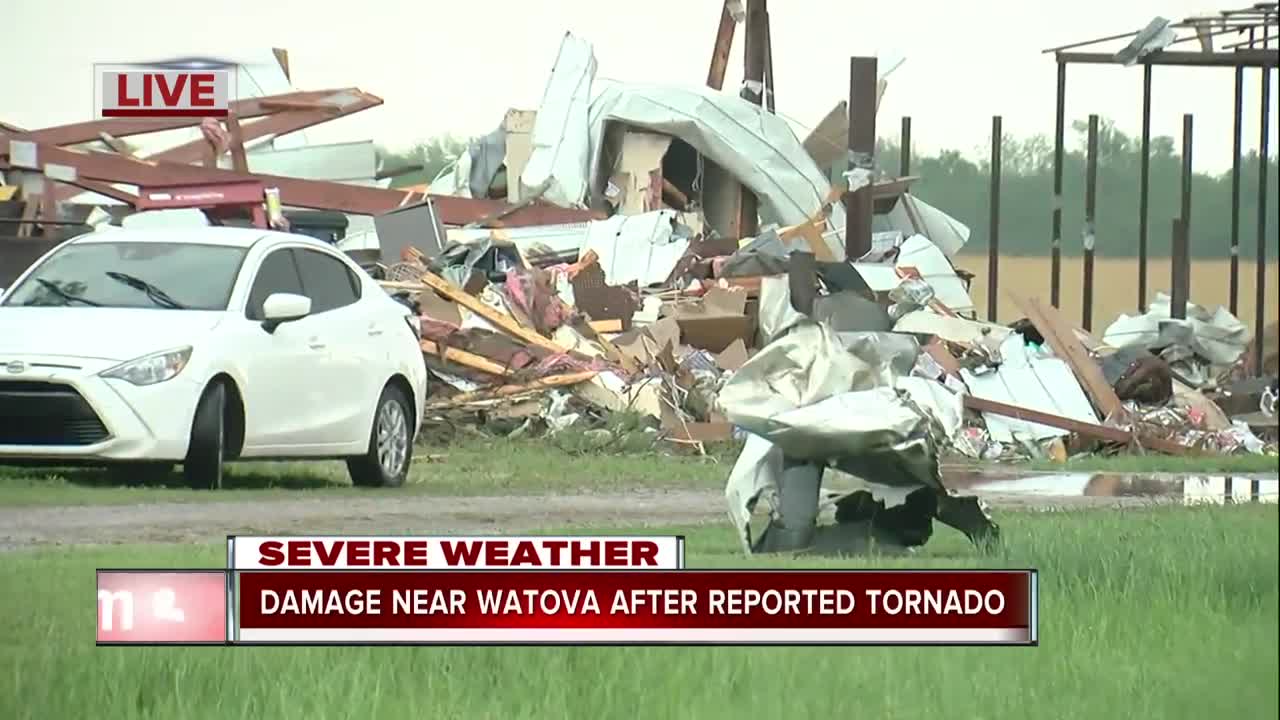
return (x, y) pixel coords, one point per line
(606, 326)
(508, 390)
(462, 357)
(811, 232)
(1097, 432)
(1061, 337)
(499, 320)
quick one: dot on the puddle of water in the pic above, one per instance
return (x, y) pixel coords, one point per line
(1190, 489)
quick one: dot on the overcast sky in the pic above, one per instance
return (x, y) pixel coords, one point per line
(456, 66)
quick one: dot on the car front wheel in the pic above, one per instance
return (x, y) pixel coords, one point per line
(386, 463)
(203, 466)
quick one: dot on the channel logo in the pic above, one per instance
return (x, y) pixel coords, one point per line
(150, 607)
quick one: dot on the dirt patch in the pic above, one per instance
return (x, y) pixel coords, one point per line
(205, 522)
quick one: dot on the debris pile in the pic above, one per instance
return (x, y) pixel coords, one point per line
(866, 369)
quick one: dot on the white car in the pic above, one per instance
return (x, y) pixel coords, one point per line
(142, 349)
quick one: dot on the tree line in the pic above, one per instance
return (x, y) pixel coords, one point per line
(960, 185)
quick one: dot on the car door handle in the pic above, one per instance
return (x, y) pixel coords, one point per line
(374, 330)
(315, 344)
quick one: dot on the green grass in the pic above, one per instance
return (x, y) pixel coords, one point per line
(480, 465)
(474, 466)
(1154, 613)
(1164, 463)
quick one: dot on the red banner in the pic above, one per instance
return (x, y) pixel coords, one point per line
(637, 607)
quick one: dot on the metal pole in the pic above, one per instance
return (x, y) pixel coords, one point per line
(862, 148)
(1180, 270)
(1090, 221)
(1144, 189)
(753, 62)
(1181, 255)
(769, 96)
(904, 162)
(1233, 292)
(1055, 246)
(1260, 297)
(993, 248)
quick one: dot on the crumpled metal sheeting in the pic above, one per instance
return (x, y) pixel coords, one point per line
(756, 147)
(557, 163)
(1218, 337)
(831, 399)
(849, 424)
(804, 367)
(754, 476)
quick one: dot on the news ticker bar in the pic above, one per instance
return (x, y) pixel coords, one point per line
(323, 597)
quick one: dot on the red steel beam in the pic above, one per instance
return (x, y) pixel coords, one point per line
(124, 127)
(277, 123)
(312, 194)
(274, 123)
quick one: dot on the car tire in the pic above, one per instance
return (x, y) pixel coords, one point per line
(386, 462)
(140, 473)
(203, 466)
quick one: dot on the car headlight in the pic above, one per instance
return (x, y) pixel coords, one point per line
(151, 369)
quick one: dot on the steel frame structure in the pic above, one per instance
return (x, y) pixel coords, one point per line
(1259, 26)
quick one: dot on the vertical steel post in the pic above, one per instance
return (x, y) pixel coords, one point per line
(993, 247)
(1144, 188)
(1233, 291)
(904, 162)
(1260, 290)
(1185, 207)
(1180, 270)
(1055, 271)
(862, 149)
(1090, 222)
(753, 60)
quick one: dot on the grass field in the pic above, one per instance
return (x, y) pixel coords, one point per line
(1115, 285)
(1158, 613)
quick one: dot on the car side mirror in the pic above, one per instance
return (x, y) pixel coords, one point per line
(280, 308)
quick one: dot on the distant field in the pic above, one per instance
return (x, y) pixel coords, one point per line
(1115, 285)
(1155, 613)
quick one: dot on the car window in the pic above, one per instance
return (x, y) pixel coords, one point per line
(277, 274)
(326, 280)
(171, 275)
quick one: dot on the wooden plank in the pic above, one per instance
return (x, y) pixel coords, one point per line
(550, 381)
(720, 51)
(1097, 432)
(606, 326)
(462, 357)
(811, 232)
(239, 160)
(1061, 337)
(499, 320)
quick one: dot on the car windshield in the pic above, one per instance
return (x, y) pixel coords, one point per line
(173, 276)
